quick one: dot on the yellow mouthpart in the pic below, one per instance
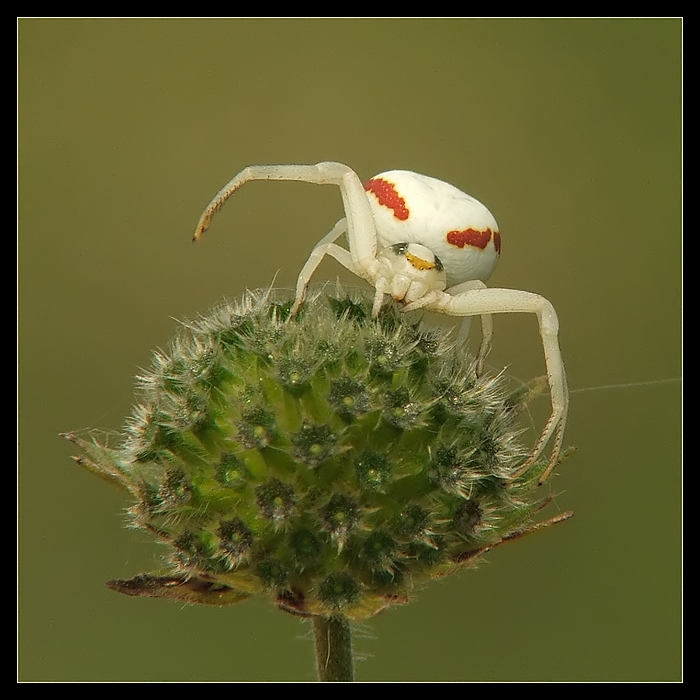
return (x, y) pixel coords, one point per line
(419, 263)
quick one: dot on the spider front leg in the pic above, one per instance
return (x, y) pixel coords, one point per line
(362, 238)
(361, 258)
(479, 302)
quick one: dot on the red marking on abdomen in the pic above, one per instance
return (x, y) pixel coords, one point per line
(387, 196)
(470, 236)
(497, 242)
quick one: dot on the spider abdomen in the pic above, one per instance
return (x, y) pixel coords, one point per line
(458, 229)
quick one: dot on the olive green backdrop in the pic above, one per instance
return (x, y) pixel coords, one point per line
(569, 131)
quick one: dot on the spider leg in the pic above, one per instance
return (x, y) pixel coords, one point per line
(486, 324)
(326, 246)
(480, 302)
(486, 319)
(362, 239)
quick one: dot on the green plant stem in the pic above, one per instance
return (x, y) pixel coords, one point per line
(333, 640)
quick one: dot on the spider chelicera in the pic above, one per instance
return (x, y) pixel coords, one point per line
(429, 246)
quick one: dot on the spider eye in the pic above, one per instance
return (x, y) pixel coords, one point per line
(400, 248)
(420, 257)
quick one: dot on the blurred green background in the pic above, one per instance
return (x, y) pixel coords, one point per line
(569, 131)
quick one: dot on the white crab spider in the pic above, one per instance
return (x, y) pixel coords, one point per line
(428, 245)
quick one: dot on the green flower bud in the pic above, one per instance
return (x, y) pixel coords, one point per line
(333, 460)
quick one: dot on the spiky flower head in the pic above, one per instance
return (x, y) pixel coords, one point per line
(331, 460)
